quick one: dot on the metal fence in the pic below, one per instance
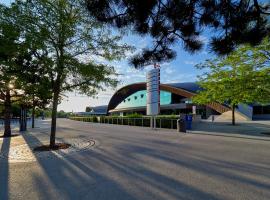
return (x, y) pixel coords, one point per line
(13, 121)
(143, 122)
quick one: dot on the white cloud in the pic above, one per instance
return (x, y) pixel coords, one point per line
(203, 39)
(190, 62)
(184, 77)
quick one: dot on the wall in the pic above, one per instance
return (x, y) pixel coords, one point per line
(246, 110)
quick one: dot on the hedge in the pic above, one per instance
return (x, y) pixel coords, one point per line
(161, 121)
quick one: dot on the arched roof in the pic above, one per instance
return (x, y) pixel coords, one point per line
(187, 89)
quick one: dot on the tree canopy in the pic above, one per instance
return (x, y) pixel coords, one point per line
(229, 23)
(10, 48)
(243, 77)
(72, 40)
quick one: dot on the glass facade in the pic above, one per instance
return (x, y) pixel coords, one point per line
(261, 110)
(138, 99)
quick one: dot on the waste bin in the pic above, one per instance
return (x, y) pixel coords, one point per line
(188, 122)
(181, 125)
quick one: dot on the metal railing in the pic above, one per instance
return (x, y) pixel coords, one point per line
(13, 121)
(143, 122)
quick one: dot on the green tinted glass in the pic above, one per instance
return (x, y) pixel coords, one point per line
(138, 99)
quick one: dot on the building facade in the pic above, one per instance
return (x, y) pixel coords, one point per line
(175, 98)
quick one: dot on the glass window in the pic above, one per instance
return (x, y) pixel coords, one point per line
(261, 110)
(138, 99)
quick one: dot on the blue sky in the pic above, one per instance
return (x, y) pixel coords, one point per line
(179, 70)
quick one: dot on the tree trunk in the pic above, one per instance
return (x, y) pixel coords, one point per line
(7, 114)
(56, 92)
(233, 114)
(33, 116)
(54, 114)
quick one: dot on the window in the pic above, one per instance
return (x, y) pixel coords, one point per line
(124, 101)
(128, 99)
(135, 97)
(142, 95)
(260, 110)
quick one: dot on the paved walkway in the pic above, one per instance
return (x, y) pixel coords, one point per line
(122, 162)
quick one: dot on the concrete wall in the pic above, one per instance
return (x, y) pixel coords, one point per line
(227, 116)
(246, 110)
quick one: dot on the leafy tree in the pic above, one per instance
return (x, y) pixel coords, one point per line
(22, 63)
(88, 109)
(74, 40)
(241, 77)
(62, 114)
(230, 22)
(35, 80)
(10, 47)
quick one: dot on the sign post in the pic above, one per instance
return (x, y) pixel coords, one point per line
(153, 94)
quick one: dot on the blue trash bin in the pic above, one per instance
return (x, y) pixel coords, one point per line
(188, 122)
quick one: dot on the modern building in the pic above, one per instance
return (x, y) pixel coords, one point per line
(175, 98)
(97, 110)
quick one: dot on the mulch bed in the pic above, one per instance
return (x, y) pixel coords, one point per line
(14, 135)
(57, 146)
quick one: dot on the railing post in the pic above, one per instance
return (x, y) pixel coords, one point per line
(142, 121)
(160, 123)
(171, 124)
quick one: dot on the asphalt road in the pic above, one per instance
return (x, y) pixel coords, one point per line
(129, 163)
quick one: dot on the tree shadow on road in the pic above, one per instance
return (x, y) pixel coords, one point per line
(99, 174)
(4, 168)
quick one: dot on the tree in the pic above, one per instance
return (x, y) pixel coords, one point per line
(169, 22)
(241, 77)
(35, 79)
(73, 40)
(88, 109)
(10, 47)
(22, 64)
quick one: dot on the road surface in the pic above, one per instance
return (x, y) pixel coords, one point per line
(128, 163)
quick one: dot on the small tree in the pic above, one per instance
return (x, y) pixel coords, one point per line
(88, 109)
(73, 40)
(241, 77)
(10, 46)
(35, 79)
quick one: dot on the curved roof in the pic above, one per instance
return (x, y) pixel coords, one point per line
(189, 86)
(187, 89)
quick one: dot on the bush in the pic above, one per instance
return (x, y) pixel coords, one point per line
(134, 115)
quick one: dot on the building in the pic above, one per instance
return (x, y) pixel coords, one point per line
(175, 98)
(97, 110)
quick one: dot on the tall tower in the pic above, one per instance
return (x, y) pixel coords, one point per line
(153, 91)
